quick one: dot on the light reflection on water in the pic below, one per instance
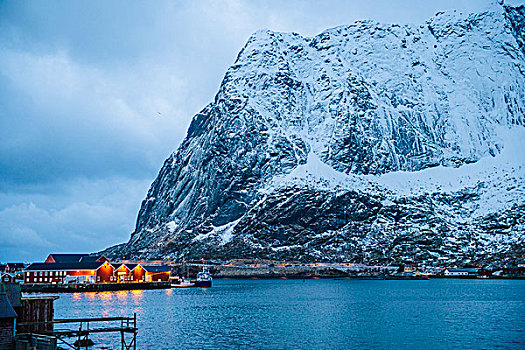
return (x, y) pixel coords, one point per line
(316, 314)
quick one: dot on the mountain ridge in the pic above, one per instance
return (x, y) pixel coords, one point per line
(359, 104)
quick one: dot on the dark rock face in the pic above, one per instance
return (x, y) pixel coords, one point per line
(368, 143)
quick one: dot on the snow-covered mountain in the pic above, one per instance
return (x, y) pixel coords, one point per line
(368, 142)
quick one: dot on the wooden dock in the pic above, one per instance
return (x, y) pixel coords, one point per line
(76, 334)
(95, 287)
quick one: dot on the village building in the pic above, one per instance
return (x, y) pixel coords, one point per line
(513, 270)
(7, 322)
(156, 273)
(14, 267)
(72, 272)
(461, 272)
(130, 272)
(7, 278)
(125, 273)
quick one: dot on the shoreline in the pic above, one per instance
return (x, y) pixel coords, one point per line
(114, 287)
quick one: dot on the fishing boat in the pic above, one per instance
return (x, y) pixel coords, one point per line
(183, 284)
(203, 278)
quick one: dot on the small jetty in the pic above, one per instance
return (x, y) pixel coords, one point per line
(76, 333)
(95, 287)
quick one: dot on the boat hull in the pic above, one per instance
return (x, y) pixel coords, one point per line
(204, 284)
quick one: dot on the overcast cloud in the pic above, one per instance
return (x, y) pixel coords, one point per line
(95, 95)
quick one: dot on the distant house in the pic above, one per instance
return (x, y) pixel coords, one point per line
(72, 258)
(14, 267)
(513, 270)
(78, 272)
(463, 272)
(2, 267)
(7, 277)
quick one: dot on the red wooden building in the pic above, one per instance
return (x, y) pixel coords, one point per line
(156, 273)
(127, 272)
(77, 272)
(7, 278)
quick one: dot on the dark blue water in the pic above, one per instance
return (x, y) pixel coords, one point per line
(317, 314)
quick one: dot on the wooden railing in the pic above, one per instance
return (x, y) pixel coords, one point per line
(84, 327)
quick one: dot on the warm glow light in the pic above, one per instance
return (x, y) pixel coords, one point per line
(137, 294)
(105, 295)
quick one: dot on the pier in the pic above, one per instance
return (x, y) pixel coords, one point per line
(76, 335)
(95, 287)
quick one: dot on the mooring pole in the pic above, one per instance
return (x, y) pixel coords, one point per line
(79, 335)
(135, 331)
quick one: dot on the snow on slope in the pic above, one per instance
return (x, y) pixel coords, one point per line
(367, 141)
(502, 176)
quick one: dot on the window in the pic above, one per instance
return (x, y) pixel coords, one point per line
(45, 273)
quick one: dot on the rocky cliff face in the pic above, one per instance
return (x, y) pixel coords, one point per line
(367, 142)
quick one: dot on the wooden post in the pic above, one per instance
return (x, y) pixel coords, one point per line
(135, 331)
(79, 332)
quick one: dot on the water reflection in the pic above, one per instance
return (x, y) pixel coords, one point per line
(137, 295)
(105, 296)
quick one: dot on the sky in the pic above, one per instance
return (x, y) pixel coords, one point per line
(94, 96)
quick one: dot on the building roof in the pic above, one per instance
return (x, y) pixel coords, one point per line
(66, 258)
(6, 309)
(16, 264)
(157, 268)
(88, 265)
(92, 258)
(129, 266)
